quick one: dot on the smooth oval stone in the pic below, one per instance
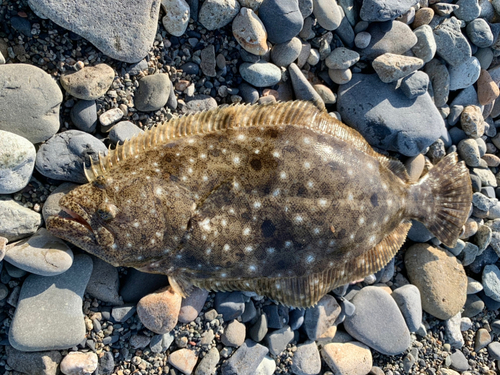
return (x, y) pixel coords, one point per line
(124, 130)
(465, 74)
(30, 107)
(491, 281)
(49, 311)
(153, 92)
(408, 299)
(104, 282)
(388, 37)
(17, 161)
(42, 254)
(378, 322)
(176, 16)
(348, 358)
(84, 115)
(261, 74)
(285, 53)
(328, 14)
(439, 277)
(17, 221)
(282, 19)
(89, 83)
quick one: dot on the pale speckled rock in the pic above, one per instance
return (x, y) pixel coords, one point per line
(491, 281)
(234, 334)
(78, 363)
(89, 83)
(436, 273)
(306, 360)
(159, 311)
(36, 363)
(183, 360)
(340, 76)
(207, 365)
(109, 118)
(49, 311)
(415, 166)
(17, 221)
(3, 246)
(249, 32)
(17, 161)
(215, 14)
(378, 322)
(192, 305)
(41, 254)
(472, 121)
(277, 340)
(30, 106)
(123, 33)
(352, 358)
(245, 359)
(391, 67)
(176, 17)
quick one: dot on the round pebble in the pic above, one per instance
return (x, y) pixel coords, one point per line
(341, 58)
(84, 115)
(327, 13)
(472, 121)
(152, 93)
(215, 14)
(306, 360)
(159, 311)
(362, 39)
(349, 358)
(282, 20)
(192, 305)
(17, 221)
(479, 33)
(183, 360)
(234, 334)
(89, 83)
(423, 16)
(465, 74)
(17, 161)
(286, 53)
(425, 48)
(262, 74)
(176, 17)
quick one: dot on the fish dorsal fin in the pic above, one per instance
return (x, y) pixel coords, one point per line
(297, 113)
(306, 291)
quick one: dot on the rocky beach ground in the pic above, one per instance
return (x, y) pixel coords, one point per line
(418, 79)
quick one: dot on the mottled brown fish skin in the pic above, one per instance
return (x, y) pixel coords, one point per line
(282, 200)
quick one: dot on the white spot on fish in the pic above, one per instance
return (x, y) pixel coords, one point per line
(246, 231)
(136, 224)
(236, 160)
(270, 250)
(226, 247)
(310, 259)
(153, 241)
(322, 202)
(248, 249)
(158, 234)
(361, 220)
(283, 175)
(298, 219)
(276, 192)
(307, 165)
(276, 154)
(349, 172)
(256, 204)
(350, 197)
(252, 268)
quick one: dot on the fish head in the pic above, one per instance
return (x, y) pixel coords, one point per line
(124, 221)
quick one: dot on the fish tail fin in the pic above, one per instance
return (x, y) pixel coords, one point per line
(442, 199)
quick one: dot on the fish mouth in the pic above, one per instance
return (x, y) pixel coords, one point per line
(72, 218)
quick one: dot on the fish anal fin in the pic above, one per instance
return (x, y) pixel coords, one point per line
(180, 285)
(306, 291)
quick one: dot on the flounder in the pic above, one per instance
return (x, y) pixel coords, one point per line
(282, 200)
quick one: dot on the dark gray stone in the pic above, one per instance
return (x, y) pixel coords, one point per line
(302, 89)
(230, 305)
(467, 10)
(388, 37)
(37, 363)
(473, 306)
(258, 330)
(415, 84)
(62, 156)
(106, 364)
(282, 19)
(137, 284)
(452, 45)
(153, 92)
(84, 115)
(378, 117)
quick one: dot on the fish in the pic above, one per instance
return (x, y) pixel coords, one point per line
(281, 199)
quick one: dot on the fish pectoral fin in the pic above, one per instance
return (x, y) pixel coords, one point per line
(180, 285)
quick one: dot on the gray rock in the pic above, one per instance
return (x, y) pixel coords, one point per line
(486, 175)
(465, 74)
(378, 322)
(230, 305)
(286, 53)
(453, 331)
(41, 254)
(494, 350)
(452, 46)
(262, 74)
(176, 17)
(306, 360)
(49, 311)
(135, 69)
(483, 237)
(469, 151)
(17, 161)
(215, 14)
(37, 363)
(425, 48)
(123, 313)
(277, 316)
(62, 157)
(208, 363)
(469, 253)
(266, 367)
(84, 115)
(282, 19)
(306, 8)
(440, 79)
(388, 37)
(208, 61)
(459, 362)
(199, 103)
(277, 340)
(415, 84)
(378, 117)
(104, 282)
(346, 33)
(479, 33)
(328, 14)
(161, 343)
(482, 202)
(245, 360)
(341, 58)
(89, 83)
(473, 306)
(123, 33)
(106, 364)
(320, 317)
(124, 130)
(491, 281)
(302, 89)
(408, 299)
(109, 118)
(258, 330)
(17, 221)
(30, 107)
(485, 57)
(362, 39)
(234, 334)
(51, 206)
(467, 10)
(384, 10)
(153, 92)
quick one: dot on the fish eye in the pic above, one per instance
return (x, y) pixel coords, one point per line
(107, 211)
